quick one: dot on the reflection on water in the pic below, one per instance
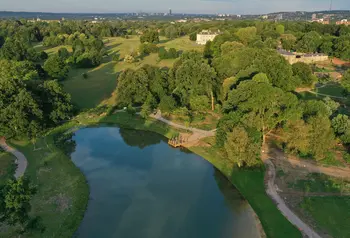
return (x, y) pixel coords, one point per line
(142, 188)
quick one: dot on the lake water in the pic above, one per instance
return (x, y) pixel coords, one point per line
(142, 188)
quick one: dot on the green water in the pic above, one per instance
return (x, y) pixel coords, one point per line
(142, 188)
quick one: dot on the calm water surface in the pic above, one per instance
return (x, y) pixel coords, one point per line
(142, 188)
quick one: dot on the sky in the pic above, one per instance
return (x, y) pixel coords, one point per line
(177, 6)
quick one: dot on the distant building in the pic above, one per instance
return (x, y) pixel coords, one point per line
(314, 17)
(301, 57)
(205, 36)
(279, 17)
(343, 22)
(170, 12)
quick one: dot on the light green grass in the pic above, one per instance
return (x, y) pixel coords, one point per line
(62, 194)
(54, 50)
(330, 213)
(182, 44)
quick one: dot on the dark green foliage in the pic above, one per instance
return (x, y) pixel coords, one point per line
(167, 104)
(63, 53)
(304, 74)
(116, 57)
(193, 36)
(148, 48)
(44, 55)
(150, 36)
(171, 54)
(15, 205)
(56, 68)
(65, 143)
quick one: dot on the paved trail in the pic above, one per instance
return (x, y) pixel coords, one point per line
(197, 134)
(281, 205)
(21, 160)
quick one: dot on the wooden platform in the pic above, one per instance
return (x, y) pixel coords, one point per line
(177, 141)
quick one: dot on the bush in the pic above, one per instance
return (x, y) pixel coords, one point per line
(131, 110)
(116, 57)
(85, 75)
(129, 59)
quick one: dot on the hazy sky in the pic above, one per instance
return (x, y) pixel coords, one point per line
(186, 6)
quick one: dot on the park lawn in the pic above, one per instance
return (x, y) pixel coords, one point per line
(7, 167)
(54, 50)
(330, 213)
(182, 44)
(332, 89)
(62, 191)
(88, 93)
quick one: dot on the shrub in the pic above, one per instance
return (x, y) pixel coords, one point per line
(85, 75)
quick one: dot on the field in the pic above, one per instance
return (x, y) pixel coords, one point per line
(102, 80)
(62, 193)
(331, 214)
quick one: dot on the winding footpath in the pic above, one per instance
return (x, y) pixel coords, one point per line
(281, 205)
(21, 160)
(197, 134)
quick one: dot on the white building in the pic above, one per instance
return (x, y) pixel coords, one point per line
(205, 36)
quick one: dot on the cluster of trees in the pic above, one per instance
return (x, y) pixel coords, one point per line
(172, 53)
(15, 206)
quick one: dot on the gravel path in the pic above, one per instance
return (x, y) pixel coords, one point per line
(197, 133)
(21, 160)
(281, 205)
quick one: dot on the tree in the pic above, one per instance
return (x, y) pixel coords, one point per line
(280, 29)
(56, 102)
(149, 105)
(295, 135)
(167, 104)
(331, 105)
(304, 73)
(241, 148)
(63, 53)
(288, 41)
(20, 113)
(309, 42)
(150, 36)
(193, 36)
(259, 109)
(194, 78)
(199, 103)
(24, 70)
(116, 57)
(247, 34)
(56, 67)
(15, 205)
(346, 81)
(261, 78)
(231, 47)
(129, 59)
(277, 69)
(341, 126)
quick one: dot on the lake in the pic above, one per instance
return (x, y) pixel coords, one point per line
(140, 187)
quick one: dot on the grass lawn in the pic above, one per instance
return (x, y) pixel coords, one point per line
(182, 44)
(321, 183)
(62, 194)
(7, 166)
(102, 80)
(88, 93)
(330, 213)
(332, 89)
(54, 50)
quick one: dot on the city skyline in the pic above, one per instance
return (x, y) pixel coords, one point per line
(179, 6)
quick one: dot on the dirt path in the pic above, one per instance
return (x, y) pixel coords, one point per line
(197, 134)
(281, 205)
(310, 166)
(21, 160)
